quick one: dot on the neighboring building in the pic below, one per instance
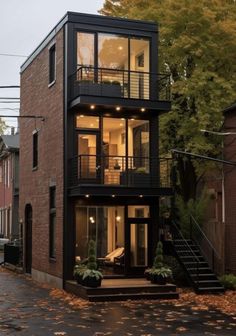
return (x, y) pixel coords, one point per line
(230, 189)
(91, 169)
(9, 186)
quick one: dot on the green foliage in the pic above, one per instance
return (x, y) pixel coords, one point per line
(92, 260)
(79, 269)
(158, 260)
(178, 273)
(197, 47)
(92, 273)
(196, 208)
(164, 272)
(228, 281)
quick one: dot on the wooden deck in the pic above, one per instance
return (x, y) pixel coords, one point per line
(123, 289)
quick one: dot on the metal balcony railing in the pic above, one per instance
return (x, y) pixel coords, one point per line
(119, 83)
(120, 171)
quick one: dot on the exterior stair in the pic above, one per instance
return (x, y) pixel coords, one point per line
(197, 269)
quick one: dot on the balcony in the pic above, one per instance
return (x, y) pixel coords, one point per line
(138, 88)
(119, 171)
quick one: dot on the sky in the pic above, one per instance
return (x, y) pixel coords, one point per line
(23, 25)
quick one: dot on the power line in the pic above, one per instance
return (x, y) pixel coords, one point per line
(9, 86)
(13, 98)
(13, 55)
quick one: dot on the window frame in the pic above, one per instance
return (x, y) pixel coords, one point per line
(52, 65)
(35, 150)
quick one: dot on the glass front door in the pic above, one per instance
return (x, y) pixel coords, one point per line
(89, 168)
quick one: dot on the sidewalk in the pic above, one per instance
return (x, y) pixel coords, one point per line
(29, 309)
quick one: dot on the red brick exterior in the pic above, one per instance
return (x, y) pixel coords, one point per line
(230, 193)
(37, 98)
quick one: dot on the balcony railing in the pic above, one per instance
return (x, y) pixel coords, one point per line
(119, 83)
(128, 171)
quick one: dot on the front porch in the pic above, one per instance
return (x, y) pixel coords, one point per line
(123, 289)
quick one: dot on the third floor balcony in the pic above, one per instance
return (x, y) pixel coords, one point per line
(119, 87)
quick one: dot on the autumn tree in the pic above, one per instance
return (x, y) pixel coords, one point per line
(197, 46)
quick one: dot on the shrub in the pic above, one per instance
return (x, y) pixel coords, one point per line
(92, 260)
(178, 273)
(158, 261)
(228, 281)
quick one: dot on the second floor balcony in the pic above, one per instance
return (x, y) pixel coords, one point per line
(138, 88)
(120, 171)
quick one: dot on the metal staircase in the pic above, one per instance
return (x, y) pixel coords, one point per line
(195, 265)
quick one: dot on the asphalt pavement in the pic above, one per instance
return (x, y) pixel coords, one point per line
(30, 309)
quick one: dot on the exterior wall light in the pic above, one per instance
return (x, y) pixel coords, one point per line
(92, 107)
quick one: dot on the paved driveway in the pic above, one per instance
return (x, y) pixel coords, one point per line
(29, 309)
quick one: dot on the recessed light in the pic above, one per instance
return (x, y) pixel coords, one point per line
(122, 119)
(132, 119)
(118, 108)
(87, 196)
(92, 107)
(120, 48)
(81, 116)
(141, 196)
(143, 109)
(113, 196)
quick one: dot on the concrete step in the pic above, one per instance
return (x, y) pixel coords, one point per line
(134, 296)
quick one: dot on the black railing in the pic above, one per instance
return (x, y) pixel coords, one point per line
(206, 247)
(120, 170)
(177, 234)
(119, 83)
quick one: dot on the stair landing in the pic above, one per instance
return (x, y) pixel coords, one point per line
(123, 289)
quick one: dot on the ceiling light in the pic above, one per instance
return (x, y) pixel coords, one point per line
(143, 109)
(118, 108)
(141, 196)
(118, 218)
(132, 119)
(113, 196)
(120, 48)
(122, 119)
(92, 107)
(81, 116)
(87, 196)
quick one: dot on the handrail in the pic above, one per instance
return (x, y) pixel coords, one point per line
(192, 252)
(119, 70)
(204, 235)
(123, 156)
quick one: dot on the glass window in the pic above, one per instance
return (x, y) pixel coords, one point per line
(138, 140)
(35, 149)
(138, 211)
(139, 244)
(114, 130)
(105, 225)
(140, 65)
(87, 158)
(85, 49)
(52, 64)
(87, 121)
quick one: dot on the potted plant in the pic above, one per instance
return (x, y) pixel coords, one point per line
(87, 274)
(159, 273)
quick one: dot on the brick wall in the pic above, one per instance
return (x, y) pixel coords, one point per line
(39, 99)
(230, 193)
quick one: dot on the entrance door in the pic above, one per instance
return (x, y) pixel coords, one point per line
(137, 245)
(89, 165)
(28, 238)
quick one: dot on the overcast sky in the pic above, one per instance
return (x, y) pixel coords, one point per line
(23, 25)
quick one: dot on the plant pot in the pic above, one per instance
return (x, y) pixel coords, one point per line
(79, 279)
(158, 279)
(92, 282)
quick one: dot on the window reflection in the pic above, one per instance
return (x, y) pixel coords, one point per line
(85, 49)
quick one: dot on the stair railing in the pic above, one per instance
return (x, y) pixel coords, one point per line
(195, 257)
(206, 247)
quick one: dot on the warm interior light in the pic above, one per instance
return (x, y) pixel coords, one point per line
(113, 195)
(118, 218)
(87, 196)
(141, 196)
(120, 48)
(91, 219)
(92, 107)
(122, 119)
(118, 108)
(81, 116)
(143, 109)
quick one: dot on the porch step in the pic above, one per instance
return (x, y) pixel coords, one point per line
(210, 290)
(119, 290)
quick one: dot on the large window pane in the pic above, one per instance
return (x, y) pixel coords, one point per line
(140, 65)
(138, 211)
(87, 159)
(139, 244)
(85, 49)
(105, 225)
(113, 55)
(138, 140)
(113, 149)
(87, 121)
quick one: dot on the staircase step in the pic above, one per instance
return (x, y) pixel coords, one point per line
(208, 283)
(201, 270)
(135, 296)
(192, 258)
(203, 276)
(191, 264)
(209, 290)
